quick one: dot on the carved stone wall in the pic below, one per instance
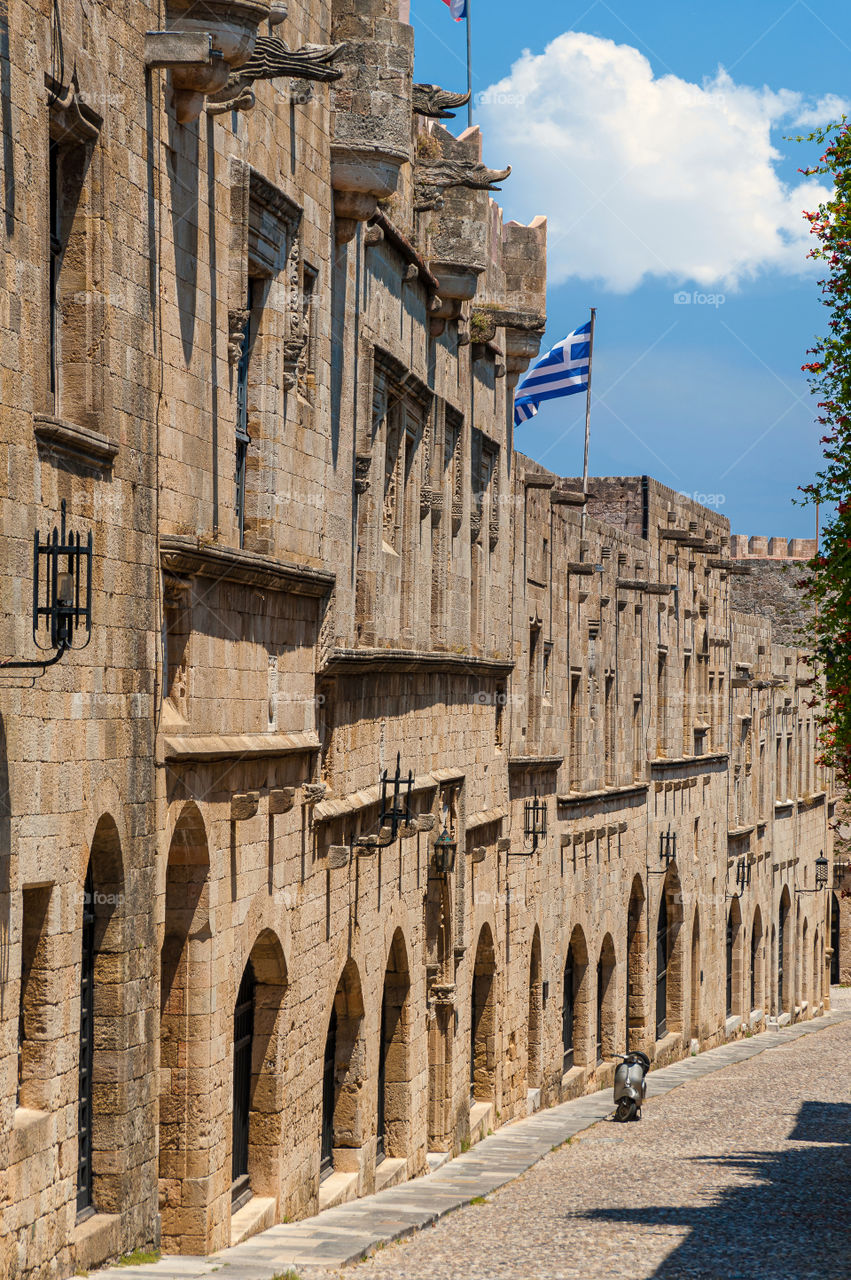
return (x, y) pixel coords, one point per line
(591, 726)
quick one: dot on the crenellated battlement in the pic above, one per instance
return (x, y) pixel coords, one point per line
(743, 547)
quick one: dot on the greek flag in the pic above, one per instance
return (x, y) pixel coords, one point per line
(561, 372)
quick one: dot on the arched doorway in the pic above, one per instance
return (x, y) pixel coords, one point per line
(483, 1020)
(606, 1001)
(440, 1003)
(733, 1001)
(102, 995)
(669, 962)
(535, 1017)
(326, 1155)
(816, 982)
(568, 1011)
(784, 957)
(696, 976)
(257, 1087)
(344, 1071)
(662, 947)
(636, 966)
(393, 1103)
(834, 939)
(804, 964)
(757, 979)
(243, 1041)
(85, 1170)
(185, 1160)
(580, 1005)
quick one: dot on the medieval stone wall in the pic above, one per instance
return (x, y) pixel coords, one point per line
(288, 321)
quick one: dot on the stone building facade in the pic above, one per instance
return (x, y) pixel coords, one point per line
(261, 326)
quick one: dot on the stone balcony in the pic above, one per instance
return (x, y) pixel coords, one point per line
(202, 45)
(371, 106)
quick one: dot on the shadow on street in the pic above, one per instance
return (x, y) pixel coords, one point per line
(788, 1216)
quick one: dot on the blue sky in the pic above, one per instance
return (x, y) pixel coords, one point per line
(652, 136)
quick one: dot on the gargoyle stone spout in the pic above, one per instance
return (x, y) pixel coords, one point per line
(433, 178)
(439, 104)
(271, 59)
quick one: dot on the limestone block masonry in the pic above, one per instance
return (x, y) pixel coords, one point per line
(265, 353)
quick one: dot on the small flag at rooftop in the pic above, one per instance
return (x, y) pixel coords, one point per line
(563, 371)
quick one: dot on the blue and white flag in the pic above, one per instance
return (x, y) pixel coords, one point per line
(561, 372)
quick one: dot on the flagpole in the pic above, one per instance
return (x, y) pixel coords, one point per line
(587, 414)
(469, 69)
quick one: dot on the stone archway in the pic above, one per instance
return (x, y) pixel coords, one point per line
(803, 965)
(187, 1172)
(393, 1101)
(696, 977)
(669, 958)
(582, 997)
(102, 1121)
(636, 967)
(757, 965)
(440, 1005)
(344, 1076)
(606, 1002)
(785, 956)
(534, 1025)
(265, 974)
(483, 1020)
(733, 962)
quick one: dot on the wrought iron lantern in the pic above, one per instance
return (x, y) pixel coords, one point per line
(535, 821)
(667, 846)
(822, 867)
(445, 847)
(62, 594)
(743, 874)
(398, 812)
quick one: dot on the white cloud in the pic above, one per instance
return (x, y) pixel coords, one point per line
(828, 109)
(648, 177)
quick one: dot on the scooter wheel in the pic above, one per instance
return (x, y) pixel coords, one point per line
(626, 1109)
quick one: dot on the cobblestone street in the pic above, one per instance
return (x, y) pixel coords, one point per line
(740, 1174)
(736, 1171)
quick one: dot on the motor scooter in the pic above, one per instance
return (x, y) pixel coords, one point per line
(631, 1084)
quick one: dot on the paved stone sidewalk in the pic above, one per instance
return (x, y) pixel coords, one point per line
(348, 1233)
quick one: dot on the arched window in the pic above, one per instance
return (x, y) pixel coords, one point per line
(567, 1011)
(662, 970)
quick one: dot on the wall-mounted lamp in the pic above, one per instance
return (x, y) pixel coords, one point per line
(667, 846)
(62, 595)
(398, 812)
(743, 874)
(535, 821)
(445, 847)
(822, 866)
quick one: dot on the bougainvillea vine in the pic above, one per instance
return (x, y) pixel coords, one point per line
(829, 369)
